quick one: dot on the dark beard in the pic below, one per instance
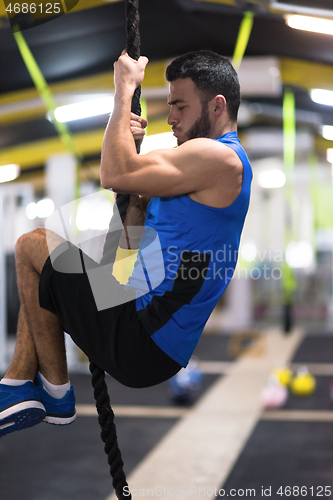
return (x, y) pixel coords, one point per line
(201, 128)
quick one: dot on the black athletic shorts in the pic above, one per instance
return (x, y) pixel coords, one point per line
(113, 338)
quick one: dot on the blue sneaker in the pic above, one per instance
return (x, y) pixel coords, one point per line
(58, 411)
(20, 407)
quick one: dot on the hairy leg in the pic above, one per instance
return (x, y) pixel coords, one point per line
(40, 336)
(24, 363)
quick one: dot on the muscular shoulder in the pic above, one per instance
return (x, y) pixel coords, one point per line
(214, 157)
(205, 149)
(224, 170)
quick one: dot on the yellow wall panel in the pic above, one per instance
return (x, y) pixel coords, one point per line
(305, 74)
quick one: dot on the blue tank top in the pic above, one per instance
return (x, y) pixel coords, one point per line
(180, 276)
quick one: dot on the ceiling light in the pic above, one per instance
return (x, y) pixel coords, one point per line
(31, 210)
(321, 96)
(330, 155)
(93, 213)
(85, 109)
(308, 23)
(9, 172)
(328, 132)
(299, 254)
(44, 208)
(271, 179)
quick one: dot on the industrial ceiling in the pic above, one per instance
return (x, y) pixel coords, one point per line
(76, 52)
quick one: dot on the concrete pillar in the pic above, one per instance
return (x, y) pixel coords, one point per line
(60, 180)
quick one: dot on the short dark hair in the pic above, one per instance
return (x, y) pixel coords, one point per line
(212, 74)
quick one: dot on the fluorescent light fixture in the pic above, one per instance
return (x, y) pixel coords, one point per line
(299, 254)
(93, 214)
(249, 252)
(328, 132)
(309, 23)
(84, 109)
(158, 141)
(44, 208)
(321, 96)
(330, 155)
(271, 179)
(9, 172)
(31, 210)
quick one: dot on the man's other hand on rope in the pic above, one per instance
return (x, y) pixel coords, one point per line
(136, 212)
(138, 125)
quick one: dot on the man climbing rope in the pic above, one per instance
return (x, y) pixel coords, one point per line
(200, 194)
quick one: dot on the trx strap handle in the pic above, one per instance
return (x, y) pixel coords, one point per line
(105, 412)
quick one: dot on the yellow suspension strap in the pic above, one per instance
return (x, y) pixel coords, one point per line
(243, 37)
(289, 152)
(47, 96)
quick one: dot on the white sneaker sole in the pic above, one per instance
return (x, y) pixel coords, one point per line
(21, 416)
(12, 410)
(59, 420)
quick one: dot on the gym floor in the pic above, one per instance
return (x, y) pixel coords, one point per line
(222, 444)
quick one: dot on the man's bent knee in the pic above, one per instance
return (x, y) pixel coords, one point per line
(35, 247)
(24, 242)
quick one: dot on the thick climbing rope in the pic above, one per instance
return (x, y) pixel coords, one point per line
(105, 412)
(108, 431)
(133, 50)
